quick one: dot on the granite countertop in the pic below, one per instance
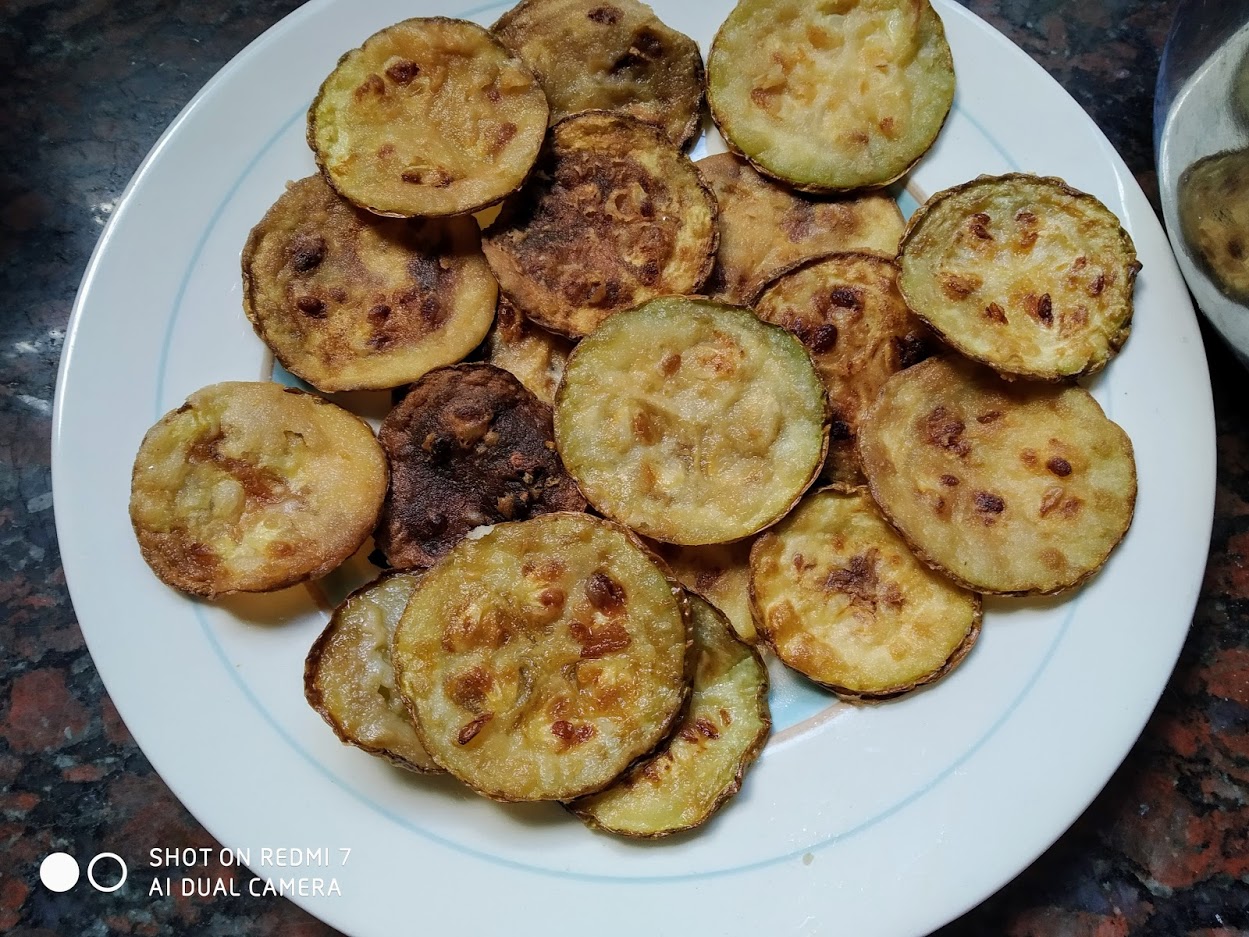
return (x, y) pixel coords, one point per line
(1164, 849)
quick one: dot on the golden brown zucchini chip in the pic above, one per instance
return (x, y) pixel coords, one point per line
(1214, 215)
(766, 227)
(615, 215)
(468, 446)
(542, 657)
(612, 56)
(349, 300)
(841, 598)
(1022, 273)
(721, 573)
(348, 678)
(535, 356)
(429, 117)
(701, 766)
(251, 487)
(831, 96)
(690, 421)
(1011, 488)
(847, 311)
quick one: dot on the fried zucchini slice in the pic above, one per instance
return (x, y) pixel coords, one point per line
(721, 573)
(618, 56)
(533, 355)
(701, 766)
(1214, 216)
(847, 311)
(431, 116)
(766, 228)
(830, 97)
(349, 300)
(615, 215)
(841, 598)
(1022, 273)
(349, 681)
(1007, 487)
(690, 421)
(251, 487)
(542, 657)
(468, 446)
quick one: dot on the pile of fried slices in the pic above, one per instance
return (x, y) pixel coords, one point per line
(651, 412)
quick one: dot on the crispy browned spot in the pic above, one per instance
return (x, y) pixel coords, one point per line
(403, 71)
(469, 731)
(572, 734)
(959, 286)
(371, 85)
(847, 297)
(595, 643)
(995, 313)
(1059, 466)
(311, 306)
(941, 429)
(989, 503)
(979, 226)
(259, 484)
(1044, 310)
(307, 252)
(468, 690)
(950, 481)
(606, 15)
(604, 593)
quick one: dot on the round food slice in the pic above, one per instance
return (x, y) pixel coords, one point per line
(468, 446)
(721, 573)
(533, 355)
(612, 56)
(691, 421)
(543, 656)
(847, 311)
(1214, 215)
(349, 300)
(831, 96)
(251, 487)
(348, 678)
(431, 116)
(1009, 488)
(766, 228)
(701, 766)
(1022, 273)
(841, 598)
(615, 215)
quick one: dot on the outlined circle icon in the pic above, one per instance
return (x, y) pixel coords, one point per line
(59, 872)
(91, 872)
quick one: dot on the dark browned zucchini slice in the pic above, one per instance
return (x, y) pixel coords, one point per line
(691, 421)
(251, 487)
(1012, 488)
(615, 215)
(840, 597)
(613, 56)
(349, 300)
(831, 96)
(766, 228)
(720, 572)
(1022, 273)
(1214, 216)
(430, 116)
(701, 766)
(535, 356)
(468, 446)
(543, 656)
(847, 310)
(348, 678)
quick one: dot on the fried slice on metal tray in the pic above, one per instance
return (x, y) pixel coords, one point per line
(535, 356)
(430, 116)
(614, 215)
(349, 681)
(691, 421)
(251, 487)
(1014, 488)
(614, 56)
(349, 300)
(842, 599)
(830, 97)
(540, 658)
(1214, 216)
(1022, 273)
(467, 446)
(847, 311)
(766, 227)
(701, 766)
(720, 572)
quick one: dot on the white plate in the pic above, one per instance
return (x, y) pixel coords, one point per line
(889, 819)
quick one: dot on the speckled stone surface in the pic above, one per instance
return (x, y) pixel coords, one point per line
(88, 87)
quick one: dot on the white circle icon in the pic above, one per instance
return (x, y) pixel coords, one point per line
(59, 872)
(91, 872)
